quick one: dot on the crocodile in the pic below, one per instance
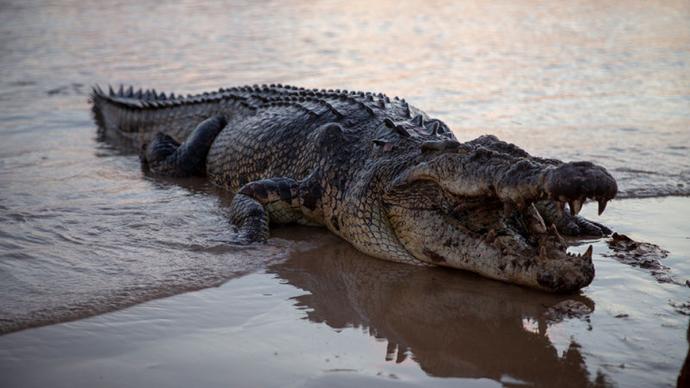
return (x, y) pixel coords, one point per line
(376, 171)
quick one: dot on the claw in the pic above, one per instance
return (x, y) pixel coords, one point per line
(602, 205)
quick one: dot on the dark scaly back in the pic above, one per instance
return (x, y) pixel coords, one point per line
(146, 111)
(270, 127)
(283, 137)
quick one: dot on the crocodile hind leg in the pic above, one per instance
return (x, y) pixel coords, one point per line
(258, 203)
(164, 156)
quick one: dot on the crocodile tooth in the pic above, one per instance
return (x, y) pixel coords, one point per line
(121, 92)
(602, 205)
(534, 221)
(552, 230)
(130, 92)
(111, 92)
(575, 206)
(588, 253)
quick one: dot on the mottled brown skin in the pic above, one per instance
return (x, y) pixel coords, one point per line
(376, 171)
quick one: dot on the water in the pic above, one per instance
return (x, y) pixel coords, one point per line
(83, 231)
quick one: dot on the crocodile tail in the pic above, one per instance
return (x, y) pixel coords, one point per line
(134, 117)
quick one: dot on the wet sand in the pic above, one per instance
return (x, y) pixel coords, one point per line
(329, 316)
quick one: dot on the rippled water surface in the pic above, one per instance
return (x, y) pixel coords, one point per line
(83, 231)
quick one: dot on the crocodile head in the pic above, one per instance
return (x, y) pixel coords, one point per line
(470, 212)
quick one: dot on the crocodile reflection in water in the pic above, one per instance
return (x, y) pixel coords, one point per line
(469, 328)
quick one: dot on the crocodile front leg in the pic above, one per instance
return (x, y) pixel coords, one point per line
(272, 201)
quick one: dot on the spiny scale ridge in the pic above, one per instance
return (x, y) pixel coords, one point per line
(252, 97)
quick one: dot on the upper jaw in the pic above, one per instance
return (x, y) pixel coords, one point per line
(516, 183)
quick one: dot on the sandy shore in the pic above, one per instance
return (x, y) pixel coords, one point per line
(329, 317)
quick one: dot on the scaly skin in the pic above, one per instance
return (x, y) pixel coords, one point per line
(376, 171)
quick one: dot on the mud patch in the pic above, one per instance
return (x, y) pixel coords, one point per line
(641, 254)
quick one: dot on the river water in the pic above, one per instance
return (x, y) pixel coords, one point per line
(83, 231)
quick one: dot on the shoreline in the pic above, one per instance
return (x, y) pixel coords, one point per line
(311, 319)
(285, 235)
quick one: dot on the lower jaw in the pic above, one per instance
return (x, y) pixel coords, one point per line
(521, 271)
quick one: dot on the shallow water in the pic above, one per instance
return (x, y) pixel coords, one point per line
(330, 316)
(83, 231)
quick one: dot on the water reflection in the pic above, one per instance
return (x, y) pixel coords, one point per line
(452, 324)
